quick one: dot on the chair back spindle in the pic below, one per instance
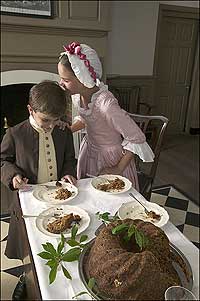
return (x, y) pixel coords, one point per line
(154, 128)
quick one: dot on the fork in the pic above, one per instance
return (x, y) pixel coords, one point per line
(39, 185)
(145, 209)
(99, 177)
(40, 216)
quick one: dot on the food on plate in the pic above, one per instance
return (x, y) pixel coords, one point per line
(154, 215)
(58, 184)
(124, 271)
(62, 194)
(150, 212)
(116, 184)
(63, 223)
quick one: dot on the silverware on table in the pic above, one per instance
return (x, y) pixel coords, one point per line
(57, 185)
(50, 186)
(32, 186)
(41, 215)
(103, 180)
(145, 209)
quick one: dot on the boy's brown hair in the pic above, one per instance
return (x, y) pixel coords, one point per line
(48, 98)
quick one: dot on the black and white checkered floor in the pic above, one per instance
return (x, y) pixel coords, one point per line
(11, 269)
(182, 212)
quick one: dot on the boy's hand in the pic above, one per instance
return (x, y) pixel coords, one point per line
(69, 179)
(19, 182)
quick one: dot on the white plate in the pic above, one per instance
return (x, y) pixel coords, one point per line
(41, 221)
(98, 180)
(134, 210)
(47, 195)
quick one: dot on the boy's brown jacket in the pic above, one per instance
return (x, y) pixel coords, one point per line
(20, 151)
(19, 154)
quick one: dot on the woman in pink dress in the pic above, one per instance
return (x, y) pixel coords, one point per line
(112, 137)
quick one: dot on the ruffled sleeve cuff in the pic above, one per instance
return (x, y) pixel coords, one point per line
(143, 150)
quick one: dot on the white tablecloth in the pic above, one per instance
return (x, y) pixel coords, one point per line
(92, 201)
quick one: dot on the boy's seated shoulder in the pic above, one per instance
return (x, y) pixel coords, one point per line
(20, 126)
(25, 127)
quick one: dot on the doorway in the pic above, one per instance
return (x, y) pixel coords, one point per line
(174, 63)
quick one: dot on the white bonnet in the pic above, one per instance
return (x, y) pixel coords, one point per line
(85, 63)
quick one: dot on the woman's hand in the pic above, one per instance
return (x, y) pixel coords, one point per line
(19, 182)
(77, 126)
(62, 125)
(120, 167)
(70, 179)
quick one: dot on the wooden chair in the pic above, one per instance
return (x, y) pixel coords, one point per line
(130, 99)
(146, 171)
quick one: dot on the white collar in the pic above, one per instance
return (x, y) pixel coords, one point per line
(37, 127)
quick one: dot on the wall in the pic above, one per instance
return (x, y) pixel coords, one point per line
(35, 43)
(182, 3)
(131, 42)
(193, 109)
(67, 14)
(132, 38)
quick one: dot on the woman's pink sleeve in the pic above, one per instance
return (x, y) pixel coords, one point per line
(122, 122)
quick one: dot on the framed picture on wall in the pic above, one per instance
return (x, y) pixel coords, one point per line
(39, 9)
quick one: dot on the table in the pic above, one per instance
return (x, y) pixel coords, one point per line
(92, 201)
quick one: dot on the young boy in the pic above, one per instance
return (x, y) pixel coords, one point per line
(36, 150)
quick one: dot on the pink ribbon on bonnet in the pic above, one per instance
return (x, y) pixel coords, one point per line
(75, 48)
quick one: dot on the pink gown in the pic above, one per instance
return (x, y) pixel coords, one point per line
(107, 126)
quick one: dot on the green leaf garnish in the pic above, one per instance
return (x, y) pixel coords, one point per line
(83, 238)
(45, 255)
(131, 230)
(51, 263)
(52, 274)
(55, 256)
(74, 231)
(61, 244)
(72, 255)
(49, 248)
(139, 239)
(106, 217)
(91, 283)
(72, 242)
(119, 228)
(66, 273)
(62, 238)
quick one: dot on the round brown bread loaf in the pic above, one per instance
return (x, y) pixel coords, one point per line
(124, 272)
